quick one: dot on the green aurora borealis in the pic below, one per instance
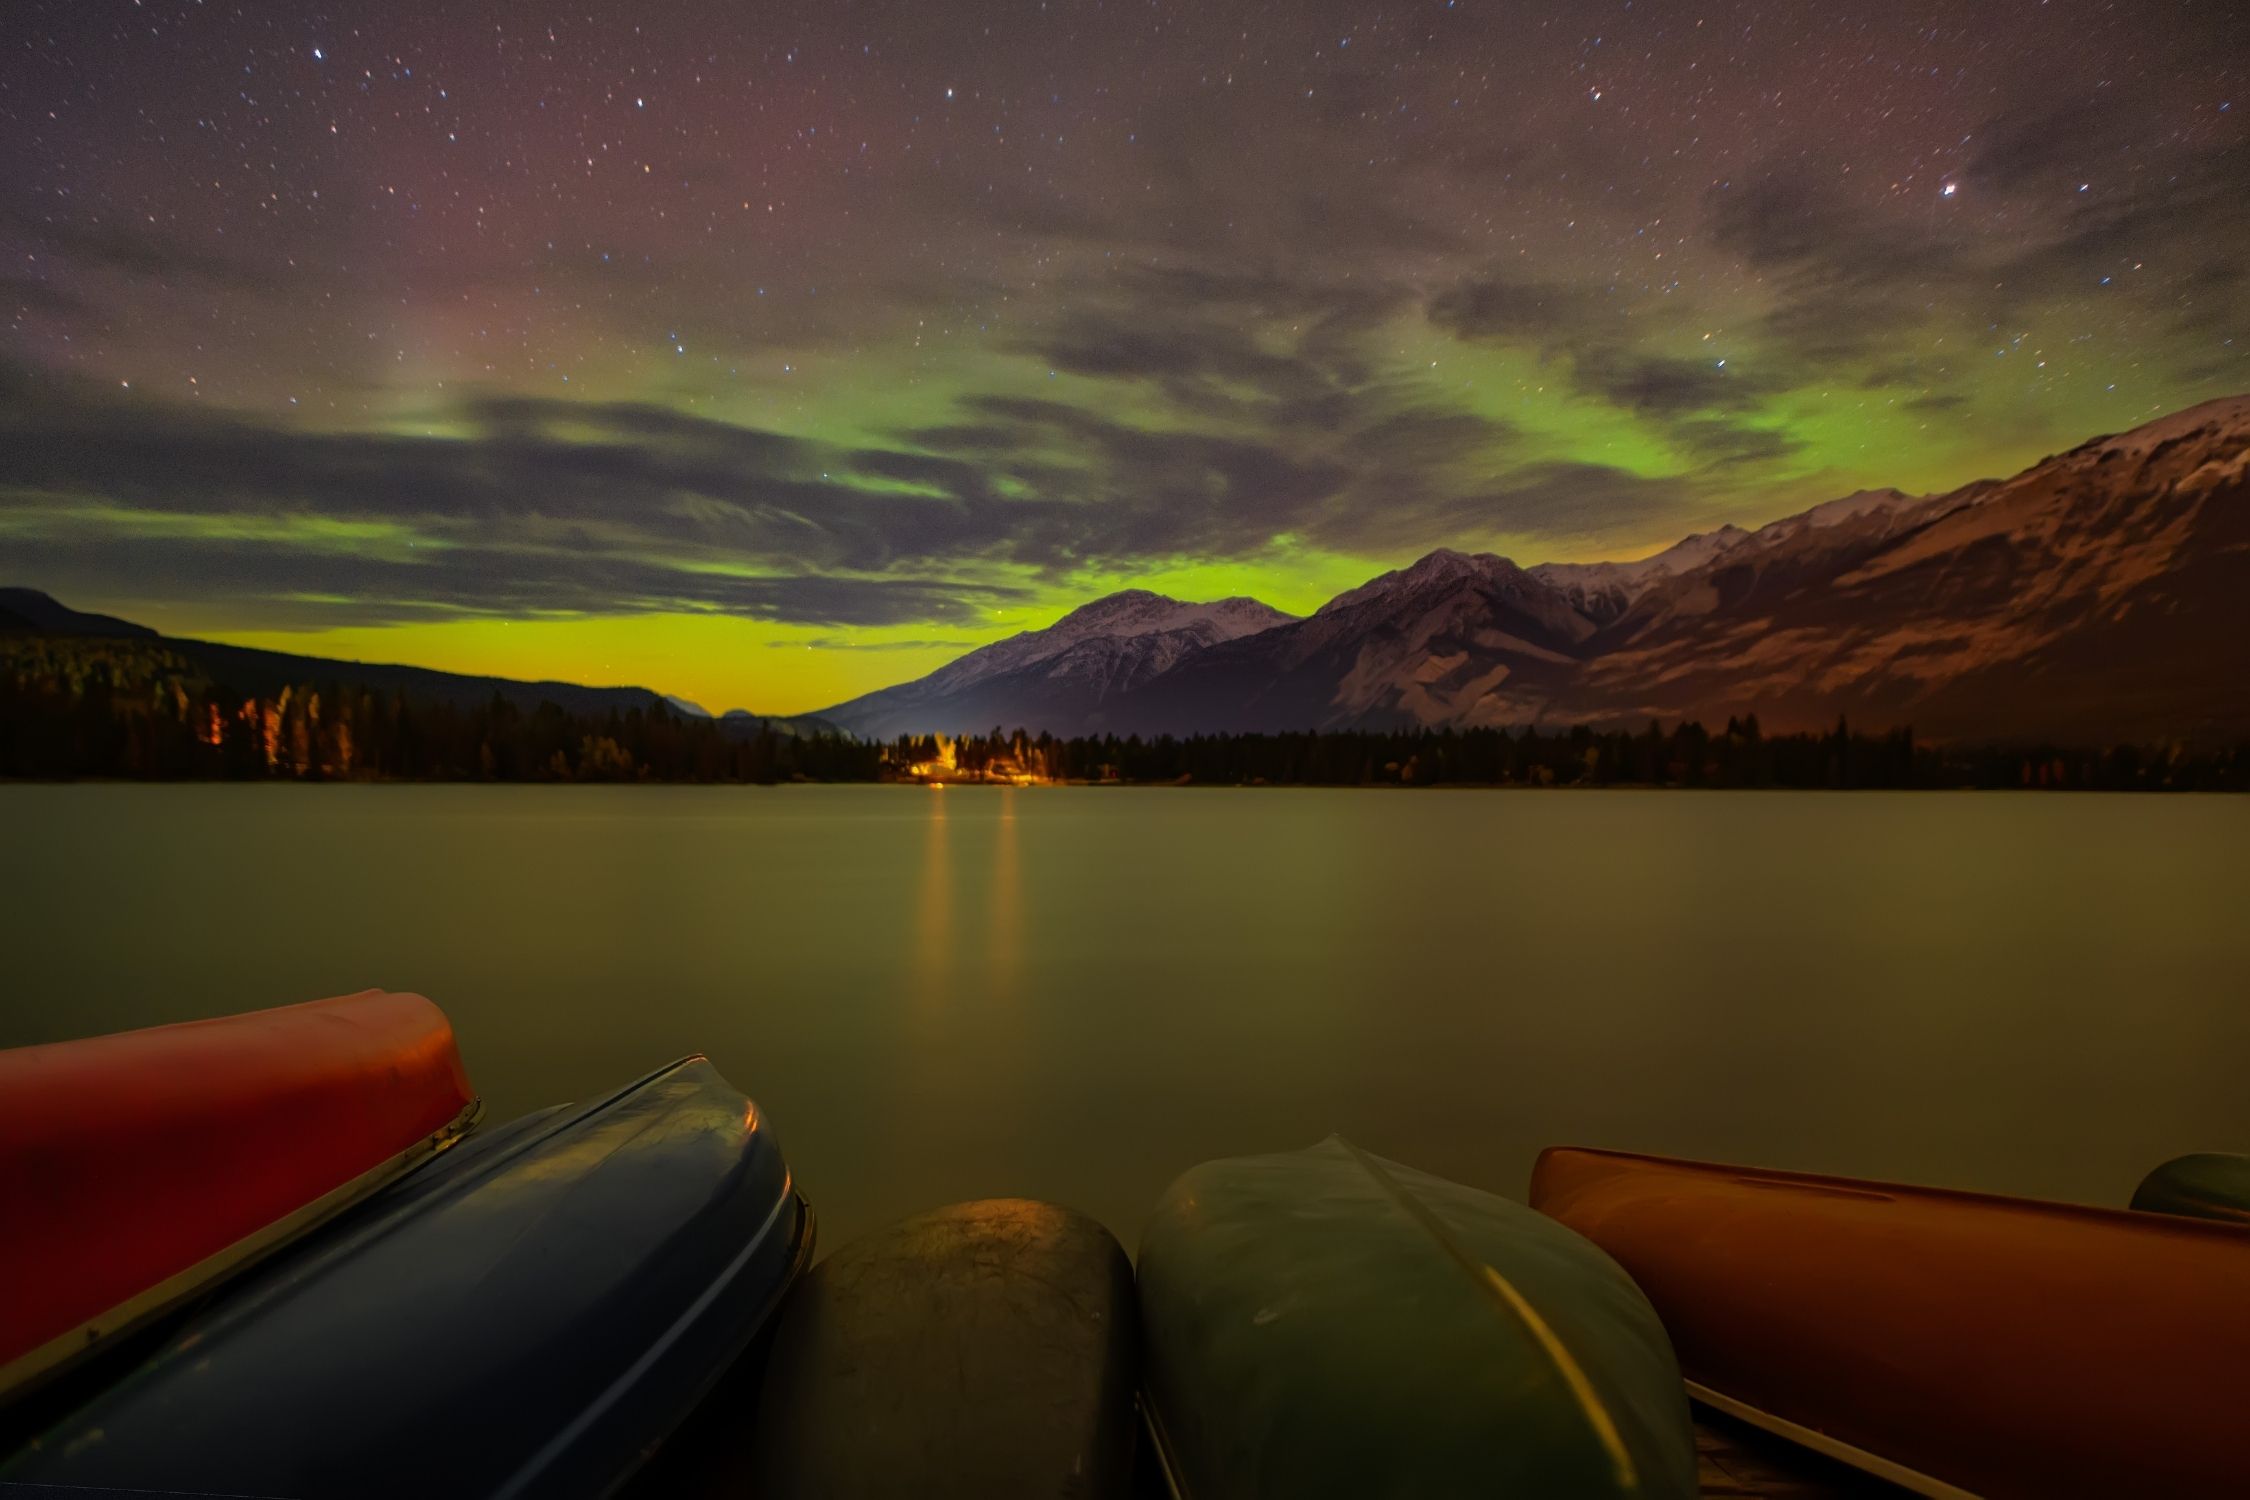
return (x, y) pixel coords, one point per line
(768, 354)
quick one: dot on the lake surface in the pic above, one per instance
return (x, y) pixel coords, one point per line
(1075, 993)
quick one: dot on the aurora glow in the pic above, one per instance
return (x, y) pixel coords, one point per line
(769, 353)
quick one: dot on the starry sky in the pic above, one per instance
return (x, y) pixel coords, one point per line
(767, 353)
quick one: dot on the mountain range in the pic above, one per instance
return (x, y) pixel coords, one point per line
(1069, 675)
(2100, 596)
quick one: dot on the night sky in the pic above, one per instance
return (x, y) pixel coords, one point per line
(766, 353)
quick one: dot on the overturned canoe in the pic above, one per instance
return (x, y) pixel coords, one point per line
(983, 1349)
(531, 1314)
(1323, 1322)
(2202, 1185)
(1948, 1341)
(142, 1167)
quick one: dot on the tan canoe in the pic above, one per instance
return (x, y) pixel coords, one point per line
(1952, 1342)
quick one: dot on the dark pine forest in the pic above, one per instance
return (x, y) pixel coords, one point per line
(136, 710)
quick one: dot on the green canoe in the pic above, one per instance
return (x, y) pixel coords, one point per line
(2203, 1185)
(1324, 1322)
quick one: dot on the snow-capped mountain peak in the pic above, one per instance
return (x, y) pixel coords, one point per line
(1601, 591)
(1438, 569)
(1137, 612)
(1858, 503)
(2226, 415)
(2116, 568)
(1112, 641)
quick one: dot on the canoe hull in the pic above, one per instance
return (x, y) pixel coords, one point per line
(530, 1315)
(983, 1349)
(1325, 1323)
(1996, 1345)
(2205, 1185)
(163, 1160)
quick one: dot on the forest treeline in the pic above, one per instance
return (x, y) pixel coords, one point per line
(1684, 755)
(79, 707)
(73, 707)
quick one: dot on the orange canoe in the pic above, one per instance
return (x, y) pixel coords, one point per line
(138, 1168)
(1952, 1342)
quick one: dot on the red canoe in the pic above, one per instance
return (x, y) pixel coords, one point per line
(1952, 1342)
(139, 1168)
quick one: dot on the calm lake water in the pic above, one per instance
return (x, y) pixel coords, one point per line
(1075, 993)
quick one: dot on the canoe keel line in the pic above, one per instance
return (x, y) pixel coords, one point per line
(1325, 1323)
(1505, 1297)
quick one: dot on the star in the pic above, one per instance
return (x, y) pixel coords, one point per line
(1449, 280)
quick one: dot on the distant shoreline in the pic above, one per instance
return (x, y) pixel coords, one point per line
(1465, 787)
(105, 709)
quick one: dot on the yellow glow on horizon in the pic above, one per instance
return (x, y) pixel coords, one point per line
(717, 661)
(724, 661)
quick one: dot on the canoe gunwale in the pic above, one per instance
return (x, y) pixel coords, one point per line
(1815, 1441)
(804, 1230)
(35, 1366)
(1159, 1446)
(1783, 1179)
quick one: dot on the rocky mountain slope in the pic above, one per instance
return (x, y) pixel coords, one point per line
(1059, 678)
(1601, 591)
(1410, 646)
(2101, 596)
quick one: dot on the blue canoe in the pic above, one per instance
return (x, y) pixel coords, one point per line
(529, 1315)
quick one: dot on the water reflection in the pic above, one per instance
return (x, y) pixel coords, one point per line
(968, 902)
(1074, 993)
(1006, 957)
(932, 974)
